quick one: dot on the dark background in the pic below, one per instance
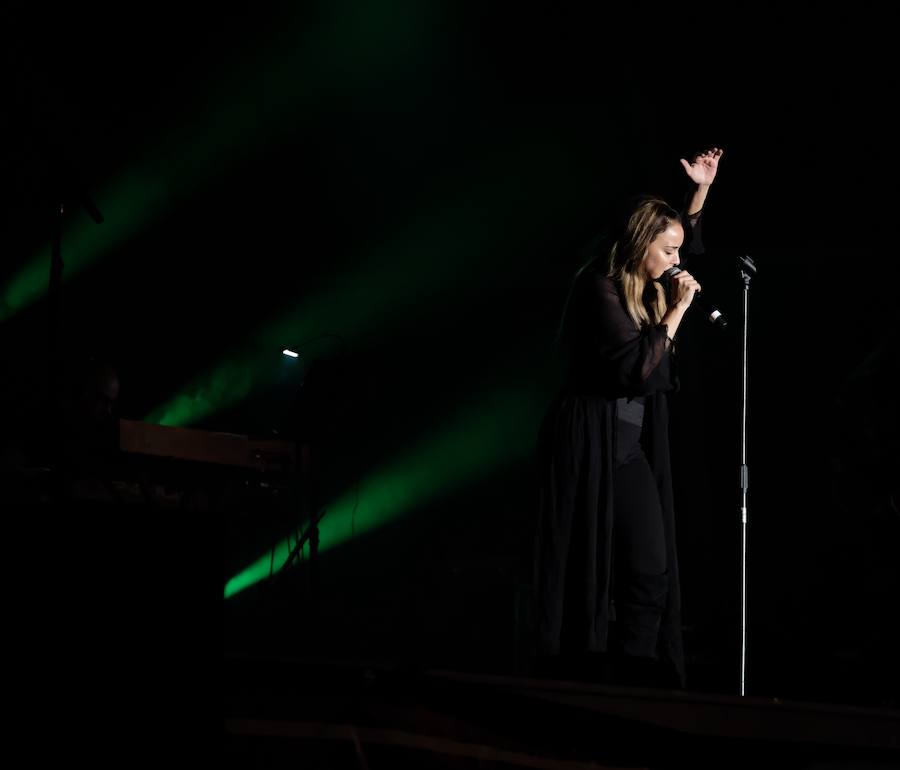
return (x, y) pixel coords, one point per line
(295, 142)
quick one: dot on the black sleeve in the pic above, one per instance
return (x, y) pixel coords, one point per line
(693, 235)
(631, 361)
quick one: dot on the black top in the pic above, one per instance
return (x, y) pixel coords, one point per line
(610, 356)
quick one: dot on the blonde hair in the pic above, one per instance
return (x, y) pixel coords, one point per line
(647, 219)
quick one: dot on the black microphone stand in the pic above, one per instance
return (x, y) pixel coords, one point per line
(748, 270)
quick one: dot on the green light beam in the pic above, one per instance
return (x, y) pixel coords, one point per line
(480, 231)
(499, 433)
(248, 110)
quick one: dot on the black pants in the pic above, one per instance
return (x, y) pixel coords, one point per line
(640, 580)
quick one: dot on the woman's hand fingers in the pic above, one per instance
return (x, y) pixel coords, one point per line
(686, 286)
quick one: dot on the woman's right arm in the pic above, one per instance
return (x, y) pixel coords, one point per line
(684, 287)
(632, 360)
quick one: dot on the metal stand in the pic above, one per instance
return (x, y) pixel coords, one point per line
(748, 270)
(311, 536)
(310, 509)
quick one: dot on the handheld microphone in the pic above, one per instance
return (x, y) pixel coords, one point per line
(714, 316)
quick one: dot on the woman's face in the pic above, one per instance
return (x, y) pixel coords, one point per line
(662, 252)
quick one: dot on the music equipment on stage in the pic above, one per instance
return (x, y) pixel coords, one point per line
(191, 444)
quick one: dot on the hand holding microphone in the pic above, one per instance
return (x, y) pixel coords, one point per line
(683, 286)
(685, 289)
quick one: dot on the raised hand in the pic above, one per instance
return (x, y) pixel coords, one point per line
(702, 169)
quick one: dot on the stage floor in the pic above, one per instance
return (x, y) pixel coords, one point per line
(326, 714)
